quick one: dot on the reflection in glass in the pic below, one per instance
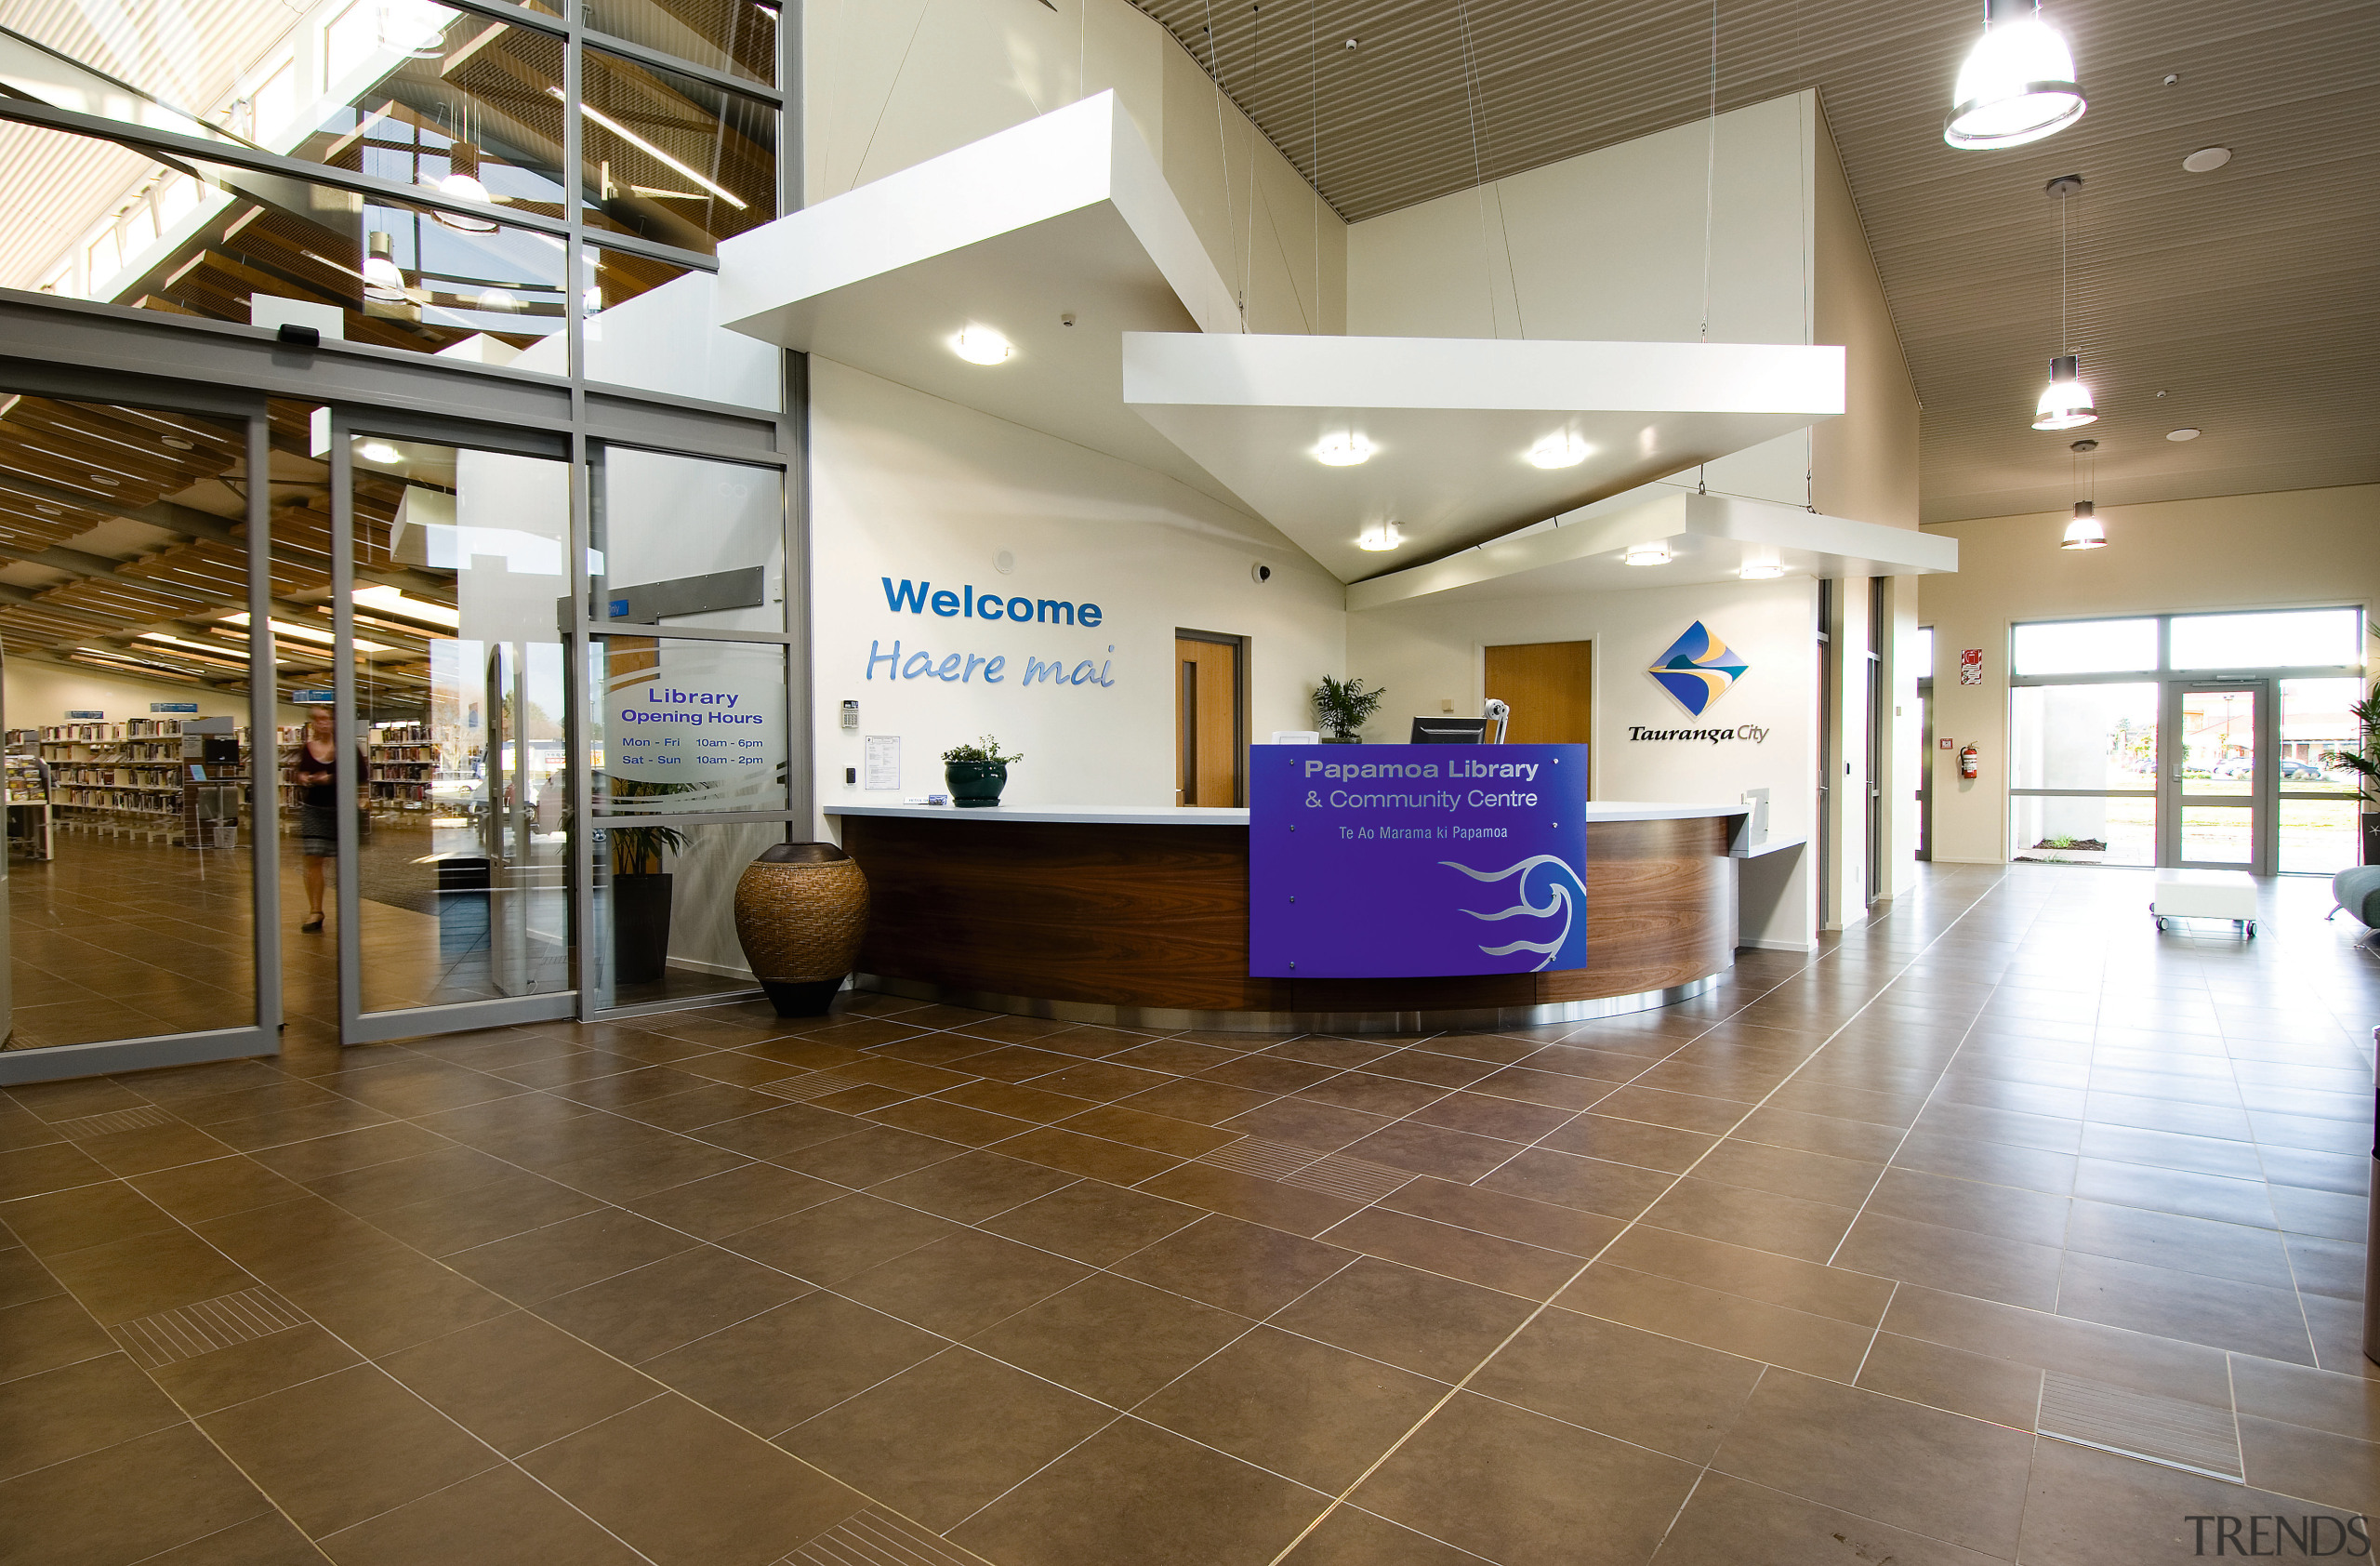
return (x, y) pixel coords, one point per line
(665, 909)
(2083, 736)
(648, 324)
(2218, 742)
(2315, 721)
(2292, 638)
(673, 159)
(683, 727)
(2216, 834)
(735, 36)
(689, 541)
(2084, 647)
(464, 875)
(2318, 837)
(253, 248)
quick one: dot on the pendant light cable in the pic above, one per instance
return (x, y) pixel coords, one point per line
(1709, 169)
(1479, 175)
(1313, 138)
(1247, 266)
(1222, 154)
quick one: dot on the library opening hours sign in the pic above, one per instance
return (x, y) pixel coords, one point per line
(694, 725)
(1411, 861)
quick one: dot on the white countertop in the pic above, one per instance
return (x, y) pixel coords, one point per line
(1196, 816)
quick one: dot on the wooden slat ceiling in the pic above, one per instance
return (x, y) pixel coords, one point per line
(2249, 297)
(87, 606)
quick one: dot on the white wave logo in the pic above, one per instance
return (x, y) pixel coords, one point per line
(1563, 894)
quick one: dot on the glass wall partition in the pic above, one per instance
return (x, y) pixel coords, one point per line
(2195, 740)
(691, 729)
(492, 189)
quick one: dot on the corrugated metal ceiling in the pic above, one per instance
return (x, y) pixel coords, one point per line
(2249, 297)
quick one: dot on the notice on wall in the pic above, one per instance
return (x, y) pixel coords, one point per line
(1382, 862)
(692, 726)
(881, 766)
(1971, 666)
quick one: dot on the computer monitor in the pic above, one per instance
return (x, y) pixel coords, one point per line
(1449, 731)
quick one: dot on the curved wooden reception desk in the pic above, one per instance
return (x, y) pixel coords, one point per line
(1140, 917)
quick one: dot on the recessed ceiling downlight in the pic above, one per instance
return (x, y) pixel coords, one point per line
(2186, 432)
(2206, 160)
(1343, 450)
(378, 451)
(981, 345)
(1646, 555)
(1379, 536)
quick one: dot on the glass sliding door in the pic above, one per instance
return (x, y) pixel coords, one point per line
(138, 882)
(448, 766)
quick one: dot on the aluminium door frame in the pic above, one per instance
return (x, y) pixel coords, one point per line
(357, 1026)
(2262, 799)
(67, 382)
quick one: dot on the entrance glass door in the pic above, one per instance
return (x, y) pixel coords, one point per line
(2221, 779)
(452, 711)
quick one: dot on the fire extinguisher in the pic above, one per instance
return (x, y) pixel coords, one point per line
(1967, 760)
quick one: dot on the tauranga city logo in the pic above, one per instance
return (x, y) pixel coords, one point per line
(1698, 668)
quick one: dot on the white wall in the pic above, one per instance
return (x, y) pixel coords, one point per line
(1608, 247)
(908, 487)
(1425, 653)
(892, 83)
(2288, 549)
(40, 692)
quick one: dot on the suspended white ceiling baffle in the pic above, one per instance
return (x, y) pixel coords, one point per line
(1707, 538)
(1452, 422)
(1065, 215)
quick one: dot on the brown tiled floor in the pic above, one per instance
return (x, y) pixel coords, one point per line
(1866, 1257)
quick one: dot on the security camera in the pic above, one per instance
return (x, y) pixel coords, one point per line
(1261, 572)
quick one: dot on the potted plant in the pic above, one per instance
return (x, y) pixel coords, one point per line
(640, 888)
(2364, 764)
(977, 772)
(1344, 706)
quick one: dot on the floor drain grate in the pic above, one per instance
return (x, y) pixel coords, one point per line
(2165, 1431)
(1358, 1179)
(877, 1538)
(84, 1127)
(1260, 1157)
(802, 1089)
(186, 1332)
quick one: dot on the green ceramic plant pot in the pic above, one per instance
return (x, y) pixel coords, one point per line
(975, 784)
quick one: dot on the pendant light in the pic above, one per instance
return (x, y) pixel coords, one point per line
(2017, 84)
(382, 277)
(2084, 531)
(462, 182)
(2066, 402)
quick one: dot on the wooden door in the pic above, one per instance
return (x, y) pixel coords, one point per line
(1546, 684)
(1207, 725)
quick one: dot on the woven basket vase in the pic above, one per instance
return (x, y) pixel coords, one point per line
(800, 911)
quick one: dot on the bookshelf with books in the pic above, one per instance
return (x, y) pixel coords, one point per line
(115, 777)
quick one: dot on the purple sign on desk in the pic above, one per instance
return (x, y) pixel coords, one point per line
(1411, 861)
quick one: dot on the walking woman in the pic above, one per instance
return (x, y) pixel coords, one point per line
(315, 773)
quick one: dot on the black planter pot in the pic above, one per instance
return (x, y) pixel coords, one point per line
(974, 784)
(1350, 740)
(639, 928)
(2370, 820)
